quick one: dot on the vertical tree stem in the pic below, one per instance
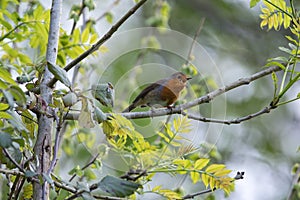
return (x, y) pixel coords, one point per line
(42, 148)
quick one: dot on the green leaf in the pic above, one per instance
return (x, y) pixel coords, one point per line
(169, 131)
(5, 140)
(4, 106)
(195, 176)
(100, 116)
(90, 4)
(292, 40)
(76, 170)
(27, 191)
(286, 50)
(59, 73)
(104, 93)
(3, 85)
(163, 136)
(85, 118)
(29, 174)
(18, 95)
(4, 115)
(205, 179)
(275, 63)
(109, 17)
(89, 174)
(9, 98)
(85, 35)
(275, 79)
(214, 168)
(48, 178)
(222, 172)
(201, 163)
(94, 38)
(6, 76)
(253, 3)
(16, 122)
(118, 187)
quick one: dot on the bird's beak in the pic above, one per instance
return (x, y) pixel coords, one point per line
(188, 78)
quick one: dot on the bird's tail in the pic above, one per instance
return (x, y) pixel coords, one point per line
(129, 108)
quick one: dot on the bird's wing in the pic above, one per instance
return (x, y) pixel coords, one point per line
(145, 91)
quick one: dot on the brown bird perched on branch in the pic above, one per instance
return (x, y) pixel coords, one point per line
(162, 93)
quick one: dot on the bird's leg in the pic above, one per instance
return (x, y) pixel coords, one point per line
(152, 111)
(170, 107)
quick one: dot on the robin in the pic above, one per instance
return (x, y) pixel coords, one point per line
(162, 93)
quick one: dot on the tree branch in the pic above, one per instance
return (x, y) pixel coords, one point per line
(106, 36)
(86, 166)
(189, 56)
(13, 160)
(11, 172)
(232, 121)
(110, 7)
(79, 14)
(293, 191)
(56, 143)
(42, 147)
(56, 183)
(204, 99)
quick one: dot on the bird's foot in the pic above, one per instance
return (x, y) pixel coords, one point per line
(170, 107)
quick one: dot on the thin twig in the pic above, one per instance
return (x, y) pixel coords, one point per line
(56, 183)
(110, 7)
(191, 196)
(189, 56)
(106, 36)
(11, 172)
(293, 190)
(108, 197)
(56, 143)
(19, 188)
(75, 21)
(86, 166)
(65, 187)
(13, 160)
(232, 121)
(13, 189)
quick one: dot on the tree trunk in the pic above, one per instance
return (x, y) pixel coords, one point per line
(42, 148)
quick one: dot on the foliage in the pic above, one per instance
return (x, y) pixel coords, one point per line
(276, 14)
(23, 37)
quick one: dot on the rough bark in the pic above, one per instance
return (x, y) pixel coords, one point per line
(42, 148)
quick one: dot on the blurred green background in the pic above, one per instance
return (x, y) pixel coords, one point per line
(233, 42)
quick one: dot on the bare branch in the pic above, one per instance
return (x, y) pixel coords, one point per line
(194, 41)
(79, 14)
(13, 160)
(204, 99)
(56, 143)
(110, 7)
(106, 36)
(65, 187)
(86, 166)
(11, 172)
(232, 121)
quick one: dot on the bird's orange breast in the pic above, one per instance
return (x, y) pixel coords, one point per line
(171, 91)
